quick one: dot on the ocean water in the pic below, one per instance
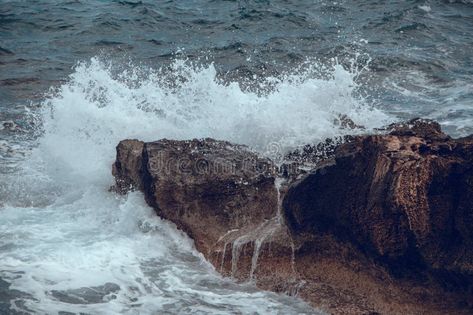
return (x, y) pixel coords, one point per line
(76, 77)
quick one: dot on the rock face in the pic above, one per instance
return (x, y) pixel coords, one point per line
(405, 198)
(207, 187)
(381, 224)
(397, 207)
(222, 195)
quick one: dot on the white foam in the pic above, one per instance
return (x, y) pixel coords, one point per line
(95, 110)
(425, 8)
(61, 228)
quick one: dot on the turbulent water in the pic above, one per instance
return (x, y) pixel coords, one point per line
(78, 76)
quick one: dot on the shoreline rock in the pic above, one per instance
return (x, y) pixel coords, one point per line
(380, 224)
(405, 199)
(206, 187)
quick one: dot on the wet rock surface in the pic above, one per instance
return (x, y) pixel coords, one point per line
(208, 188)
(404, 198)
(397, 209)
(379, 224)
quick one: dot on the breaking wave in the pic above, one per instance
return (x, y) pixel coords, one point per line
(68, 244)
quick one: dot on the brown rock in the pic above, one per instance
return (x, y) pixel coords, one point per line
(128, 166)
(402, 202)
(224, 196)
(206, 187)
(381, 225)
(304, 159)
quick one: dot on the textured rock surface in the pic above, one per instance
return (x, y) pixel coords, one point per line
(402, 201)
(381, 225)
(405, 198)
(208, 188)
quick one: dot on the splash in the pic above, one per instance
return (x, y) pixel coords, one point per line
(70, 245)
(87, 116)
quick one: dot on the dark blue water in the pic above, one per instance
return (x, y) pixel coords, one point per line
(78, 76)
(420, 51)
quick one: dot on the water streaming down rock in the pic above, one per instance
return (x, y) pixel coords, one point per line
(256, 238)
(278, 183)
(259, 235)
(254, 258)
(236, 247)
(223, 256)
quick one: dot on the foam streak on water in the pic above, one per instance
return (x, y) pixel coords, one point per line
(68, 244)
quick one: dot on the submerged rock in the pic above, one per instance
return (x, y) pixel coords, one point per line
(382, 224)
(87, 295)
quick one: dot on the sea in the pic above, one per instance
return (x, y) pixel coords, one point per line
(78, 76)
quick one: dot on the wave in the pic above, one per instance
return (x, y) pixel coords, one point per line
(86, 117)
(68, 244)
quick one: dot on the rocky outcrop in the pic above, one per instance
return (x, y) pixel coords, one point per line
(223, 195)
(209, 188)
(405, 198)
(380, 224)
(401, 202)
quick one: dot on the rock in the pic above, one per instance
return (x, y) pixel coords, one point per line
(380, 224)
(403, 201)
(304, 159)
(128, 166)
(223, 195)
(346, 122)
(206, 187)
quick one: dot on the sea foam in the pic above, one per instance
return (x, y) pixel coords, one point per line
(68, 244)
